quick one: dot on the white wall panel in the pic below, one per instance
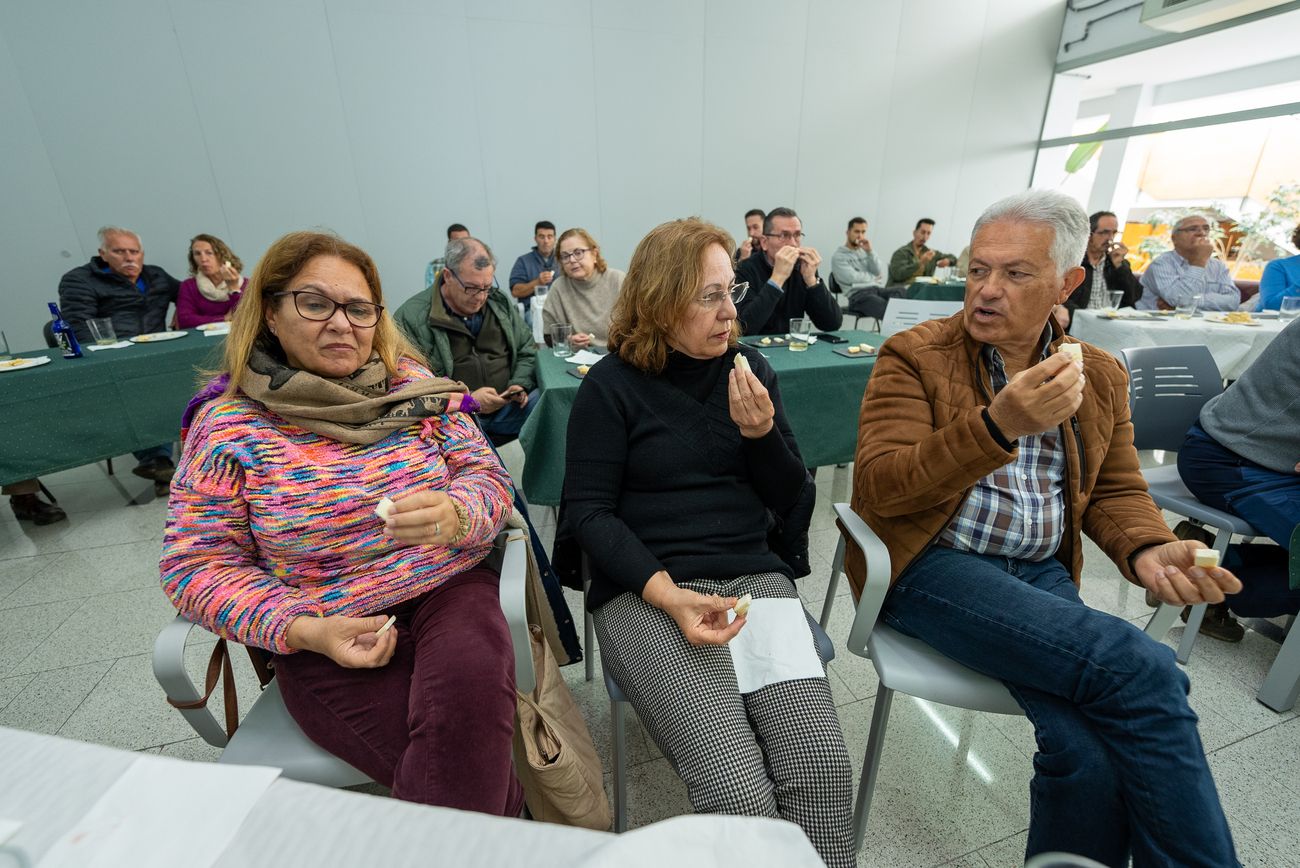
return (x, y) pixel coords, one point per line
(536, 116)
(37, 239)
(650, 125)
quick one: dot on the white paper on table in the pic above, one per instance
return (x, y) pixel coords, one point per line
(137, 822)
(116, 346)
(775, 645)
(584, 357)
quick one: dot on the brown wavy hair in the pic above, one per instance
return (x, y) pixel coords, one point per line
(663, 280)
(281, 263)
(579, 232)
(219, 247)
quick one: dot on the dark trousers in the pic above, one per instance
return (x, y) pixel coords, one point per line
(436, 723)
(1270, 501)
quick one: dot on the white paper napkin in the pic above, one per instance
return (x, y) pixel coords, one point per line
(584, 357)
(116, 346)
(775, 645)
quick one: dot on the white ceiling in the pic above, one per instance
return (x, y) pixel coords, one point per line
(1268, 39)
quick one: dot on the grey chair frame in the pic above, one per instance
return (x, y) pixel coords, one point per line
(1282, 683)
(1167, 388)
(907, 665)
(268, 736)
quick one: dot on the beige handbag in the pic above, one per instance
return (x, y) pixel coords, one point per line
(555, 757)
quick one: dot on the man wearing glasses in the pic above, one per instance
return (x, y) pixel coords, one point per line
(783, 281)
(471, 331)
(1105, 270)
(1189, 270)
(915, 259)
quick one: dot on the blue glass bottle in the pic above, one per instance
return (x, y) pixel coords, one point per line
(64, 334)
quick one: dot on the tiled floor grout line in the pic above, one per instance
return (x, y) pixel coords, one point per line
(87, 695)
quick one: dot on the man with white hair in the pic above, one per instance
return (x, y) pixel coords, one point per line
(1174, 278)
(984, 452)
(117, 284)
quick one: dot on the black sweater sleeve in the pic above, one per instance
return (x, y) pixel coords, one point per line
(760, 302)
(596, 452)
(822, 307)
(775, 466)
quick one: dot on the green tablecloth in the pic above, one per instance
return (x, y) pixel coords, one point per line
(72, 412)
(822, 392)
(937, 291)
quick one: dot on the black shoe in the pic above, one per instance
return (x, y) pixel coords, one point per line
(29, 507)
(159, 470)
(1218, 623)
(162, 489)
(1187, 530)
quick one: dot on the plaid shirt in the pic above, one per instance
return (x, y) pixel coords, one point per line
(1018, 510)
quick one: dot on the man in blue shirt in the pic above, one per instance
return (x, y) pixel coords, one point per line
(118, 284)
(534, 271)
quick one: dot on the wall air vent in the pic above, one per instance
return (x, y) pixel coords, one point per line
(1180, 16)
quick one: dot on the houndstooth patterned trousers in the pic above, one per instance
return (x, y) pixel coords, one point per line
(776, 752)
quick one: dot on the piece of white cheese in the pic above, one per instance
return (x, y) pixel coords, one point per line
(742, 605)
(384, 508)
(1207, 558)
(1073, 350)
(742, 363)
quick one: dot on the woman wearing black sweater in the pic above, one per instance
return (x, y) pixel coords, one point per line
(676, 457)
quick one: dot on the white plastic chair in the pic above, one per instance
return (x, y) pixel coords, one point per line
(903, 313)
(268, 736)
(904, 664)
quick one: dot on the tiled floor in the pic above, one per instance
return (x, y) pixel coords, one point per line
(80, 607)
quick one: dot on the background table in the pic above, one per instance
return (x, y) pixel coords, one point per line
(822, 392)
(77, 411)
(1234, 347)
(953, 291)
(50, 783)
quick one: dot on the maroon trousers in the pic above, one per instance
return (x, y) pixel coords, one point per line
(436, 723)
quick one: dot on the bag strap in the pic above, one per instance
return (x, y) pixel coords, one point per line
(219, 669)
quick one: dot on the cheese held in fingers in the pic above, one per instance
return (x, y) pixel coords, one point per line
(1073, 350)
(1206, 558)
(384, 508)
(742, 605)
(742, 363)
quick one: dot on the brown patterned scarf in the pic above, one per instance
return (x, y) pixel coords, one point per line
(353, 409)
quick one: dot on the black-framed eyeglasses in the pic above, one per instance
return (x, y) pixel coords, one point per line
(575, 254)
(471, 291)
(785, 236)
(713, 300)
(319, 308)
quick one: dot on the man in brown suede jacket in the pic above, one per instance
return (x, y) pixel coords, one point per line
(983, 453)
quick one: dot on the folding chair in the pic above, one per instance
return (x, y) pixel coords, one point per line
(268, 736)
(903, 313)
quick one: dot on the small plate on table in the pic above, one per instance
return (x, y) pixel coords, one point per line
(580, 372)
(1222, 319)
(764, 342)
(154, 337)
(23, 364)
(860, 354)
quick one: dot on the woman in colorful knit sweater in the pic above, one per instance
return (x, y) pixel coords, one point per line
(273, 538)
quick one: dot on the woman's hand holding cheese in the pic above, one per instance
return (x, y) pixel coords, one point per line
(751, 406)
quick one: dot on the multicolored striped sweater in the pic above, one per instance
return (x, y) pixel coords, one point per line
(268, 521)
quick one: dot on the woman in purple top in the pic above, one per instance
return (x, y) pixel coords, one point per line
(212, 290)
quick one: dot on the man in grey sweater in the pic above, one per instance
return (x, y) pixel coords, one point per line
(858, 273)
(1243, 457)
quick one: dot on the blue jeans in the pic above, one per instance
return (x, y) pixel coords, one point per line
(1270, 501)
(1120, 769)
(507, 421)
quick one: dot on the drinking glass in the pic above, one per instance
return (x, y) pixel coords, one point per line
(5, 355)
(1188, 309)
(800, 330)
(1116, 296)
(1290, 308)
(101, 329)
(560, 334)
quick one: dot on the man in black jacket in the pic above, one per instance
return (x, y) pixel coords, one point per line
(1106, 268)
(783, 281)
(118, 284)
